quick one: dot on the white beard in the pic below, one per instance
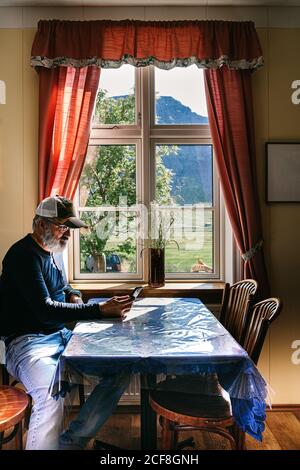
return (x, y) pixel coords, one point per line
(54, 245)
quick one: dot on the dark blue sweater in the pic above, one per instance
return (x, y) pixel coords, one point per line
(33, 292)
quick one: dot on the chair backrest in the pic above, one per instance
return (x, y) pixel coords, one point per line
(235, 306)
(262, 315)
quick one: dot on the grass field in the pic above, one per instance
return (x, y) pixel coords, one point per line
(177, 260)
(195, 246)
(181, 260)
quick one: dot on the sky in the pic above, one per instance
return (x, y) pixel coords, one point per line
(184, 84)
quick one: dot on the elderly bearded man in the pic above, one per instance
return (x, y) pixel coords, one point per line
(36, 302)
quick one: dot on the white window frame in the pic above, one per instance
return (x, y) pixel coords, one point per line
(100, 130)
(214, 208)
(145, 134)
(76, 234)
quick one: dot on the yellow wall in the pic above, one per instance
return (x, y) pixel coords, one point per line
(276, 118)
(18, 136)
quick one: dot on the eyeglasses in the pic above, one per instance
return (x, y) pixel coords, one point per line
(61, 228)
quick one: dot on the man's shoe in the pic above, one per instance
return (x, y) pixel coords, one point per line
(100, 445)
(67, 442)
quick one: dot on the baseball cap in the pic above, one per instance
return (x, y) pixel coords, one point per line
(60, 210)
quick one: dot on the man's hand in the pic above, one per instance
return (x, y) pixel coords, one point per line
(116, 307)
(75, 299)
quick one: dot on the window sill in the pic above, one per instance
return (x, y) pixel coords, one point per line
(208, 292)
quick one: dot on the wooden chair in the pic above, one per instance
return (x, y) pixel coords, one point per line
(6, 380)
(199, 403)
(260, 318)
(13, 405)
(237, 300)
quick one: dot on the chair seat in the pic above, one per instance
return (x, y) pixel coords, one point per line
(13, 404)
(192, 400)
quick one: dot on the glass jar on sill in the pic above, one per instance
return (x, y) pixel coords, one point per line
(156, 267)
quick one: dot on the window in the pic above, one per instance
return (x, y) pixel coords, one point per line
(116, 99)
(150, 141)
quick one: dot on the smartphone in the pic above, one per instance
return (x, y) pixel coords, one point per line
(136, 292)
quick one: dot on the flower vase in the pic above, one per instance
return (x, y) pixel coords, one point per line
(156, 267)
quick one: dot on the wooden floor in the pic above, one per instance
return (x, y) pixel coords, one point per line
(282, 433)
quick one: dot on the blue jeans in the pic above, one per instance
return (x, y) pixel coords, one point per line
(32, 359)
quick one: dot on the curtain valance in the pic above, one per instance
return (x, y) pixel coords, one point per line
(165, 44)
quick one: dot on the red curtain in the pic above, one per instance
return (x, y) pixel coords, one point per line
(69, 54)
(140, 43)
(230, 113)
(66, 102)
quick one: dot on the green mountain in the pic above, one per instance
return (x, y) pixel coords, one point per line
(171, 111)
(191, 165)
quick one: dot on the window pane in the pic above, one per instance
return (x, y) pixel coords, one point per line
(193, 232)
(109, 176)
(180, 96)
(109, 244)
(184, 191)
(184, 174)
(115, 102)
(108, 181)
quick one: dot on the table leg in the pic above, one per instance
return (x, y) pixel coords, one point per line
(148, 416)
